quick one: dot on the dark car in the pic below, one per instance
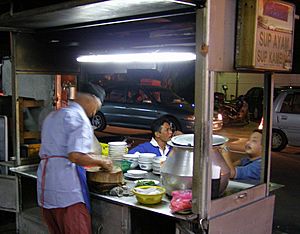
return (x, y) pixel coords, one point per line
(137, 106)
(255, 98)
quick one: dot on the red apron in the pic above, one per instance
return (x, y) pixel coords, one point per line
(81, 175)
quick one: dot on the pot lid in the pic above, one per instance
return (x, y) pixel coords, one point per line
(188, 140)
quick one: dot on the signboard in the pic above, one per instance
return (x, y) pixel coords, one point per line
(265, 32)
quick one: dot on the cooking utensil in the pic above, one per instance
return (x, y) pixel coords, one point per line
(177, 170)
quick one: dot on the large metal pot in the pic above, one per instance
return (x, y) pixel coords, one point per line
(177, 170)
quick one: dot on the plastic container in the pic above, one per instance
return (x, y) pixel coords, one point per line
(104, 147)
(149, 199)
(125, 165)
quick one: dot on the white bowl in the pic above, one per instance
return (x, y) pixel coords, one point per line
(156, 164)
(142, 160)
(149, 163)
(157, 168)
(159, 159)
(145, 166)
(131, 156)
(146, 157)
(156, 172)
(117, 143)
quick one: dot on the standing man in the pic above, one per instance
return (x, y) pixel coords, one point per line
(248, 168)
(161, 134)
(67, 138)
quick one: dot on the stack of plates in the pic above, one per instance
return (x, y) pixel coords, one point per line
(157, 162)
(117, 149)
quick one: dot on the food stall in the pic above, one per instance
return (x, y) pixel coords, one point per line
(250, 206)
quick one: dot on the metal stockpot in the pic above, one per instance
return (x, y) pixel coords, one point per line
(177, 170)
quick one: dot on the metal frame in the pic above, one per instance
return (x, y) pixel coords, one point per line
(203, 129)
(15, 102)
(204, 78)
(4, 138)
(267, 133)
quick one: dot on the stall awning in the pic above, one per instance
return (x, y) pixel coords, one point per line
(87, 12)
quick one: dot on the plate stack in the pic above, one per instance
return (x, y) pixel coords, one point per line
(116, 150)
(157, 162)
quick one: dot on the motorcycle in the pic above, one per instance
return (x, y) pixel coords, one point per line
(235, 112)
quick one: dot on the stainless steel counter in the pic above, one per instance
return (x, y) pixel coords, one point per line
(161, 208)
(26, 170)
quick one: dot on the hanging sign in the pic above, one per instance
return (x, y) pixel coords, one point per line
(265, 32)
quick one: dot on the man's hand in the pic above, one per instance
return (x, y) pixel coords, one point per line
(88, 160)
(226, 155)
(177, 133)
(106, 164)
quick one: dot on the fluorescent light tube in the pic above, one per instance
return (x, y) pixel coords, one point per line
(138, 57)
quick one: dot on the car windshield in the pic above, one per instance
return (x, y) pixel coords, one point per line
(165, 96)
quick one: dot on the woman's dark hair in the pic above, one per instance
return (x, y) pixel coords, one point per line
(157, 125)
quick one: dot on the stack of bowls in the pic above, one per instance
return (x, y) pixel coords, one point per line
(145, 161)
(157, 162)
(116, 150)
(133, 158)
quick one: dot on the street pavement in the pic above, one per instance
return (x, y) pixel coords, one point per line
(285, 169)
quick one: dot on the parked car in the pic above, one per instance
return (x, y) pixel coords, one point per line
(286, 119)
(137, 106)
(255, 98)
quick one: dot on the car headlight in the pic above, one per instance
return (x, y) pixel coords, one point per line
(217, 117)
(261, 124)
(189, 118)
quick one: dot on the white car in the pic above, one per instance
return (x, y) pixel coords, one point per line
(286, 120)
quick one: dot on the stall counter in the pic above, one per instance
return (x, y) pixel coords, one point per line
(120, 209)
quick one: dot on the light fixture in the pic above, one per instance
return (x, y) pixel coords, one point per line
(54, 41)
(154, 57)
